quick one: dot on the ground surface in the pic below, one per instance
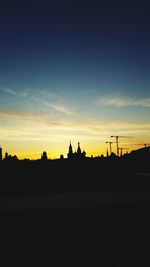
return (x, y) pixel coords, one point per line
(73, 218)
(108, 234)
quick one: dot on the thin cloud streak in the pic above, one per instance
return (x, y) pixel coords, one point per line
(123, 102)
(42, 126)
(43, 97)
(55, 106)
(13, 92)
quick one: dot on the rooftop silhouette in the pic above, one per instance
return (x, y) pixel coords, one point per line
(76, 171)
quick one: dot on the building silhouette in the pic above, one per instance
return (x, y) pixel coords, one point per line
(61, 156)
(77, 154)
(44, 156)
(1, 155)
(10, 157)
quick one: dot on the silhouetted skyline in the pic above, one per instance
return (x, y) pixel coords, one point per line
(73, 70)
(80, 153)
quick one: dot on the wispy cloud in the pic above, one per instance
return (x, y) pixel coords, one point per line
(28, 132)
(52, 101)
(123, 102)
(53, 105)
(94, 128)
(23, 93)
(23, 119)
(43, 97)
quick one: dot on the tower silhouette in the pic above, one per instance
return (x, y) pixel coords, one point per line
(77, 154)
(1, 156)
(78, 150)
(70, 153)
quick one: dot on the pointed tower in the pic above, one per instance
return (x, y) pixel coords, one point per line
(79, 149)
(70, 148)
(70, 153)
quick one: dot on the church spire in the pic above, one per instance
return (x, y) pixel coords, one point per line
(79, 149)
(70, 148)
(70, 153)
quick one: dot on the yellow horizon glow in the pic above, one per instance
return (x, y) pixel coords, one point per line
(92, 149)
(28, 135)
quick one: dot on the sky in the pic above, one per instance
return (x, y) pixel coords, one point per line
(74, 71)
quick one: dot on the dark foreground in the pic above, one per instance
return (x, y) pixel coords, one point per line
(57, 214)
(111, 235)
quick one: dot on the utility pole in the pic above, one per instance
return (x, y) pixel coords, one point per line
(110, 143)
(121, 148)
(117, 137)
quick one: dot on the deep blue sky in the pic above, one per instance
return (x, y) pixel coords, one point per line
(74, 39)
(91, 57)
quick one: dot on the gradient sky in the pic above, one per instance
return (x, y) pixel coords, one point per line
(73, 70)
